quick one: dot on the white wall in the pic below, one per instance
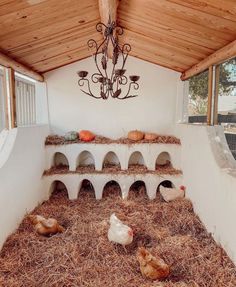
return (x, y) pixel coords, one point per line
(22, 162)
(41, 103)
(152, 110)
(209, 172)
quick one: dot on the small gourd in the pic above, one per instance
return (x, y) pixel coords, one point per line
(86, 136)
(70, 136)
(150, 136)
(135, 135)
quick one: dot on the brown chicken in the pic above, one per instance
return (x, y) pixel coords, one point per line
(152, 267)
(45, 226)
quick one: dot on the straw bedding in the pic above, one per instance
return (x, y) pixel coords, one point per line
(60, 140)
(166, 169)
(83, 256)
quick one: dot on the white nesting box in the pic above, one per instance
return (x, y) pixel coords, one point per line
(147, 154)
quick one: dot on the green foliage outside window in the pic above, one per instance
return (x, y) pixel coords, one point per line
(198, 87)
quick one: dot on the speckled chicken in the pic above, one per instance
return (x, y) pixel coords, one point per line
(152, 267)
(45, 226)
(119, 232)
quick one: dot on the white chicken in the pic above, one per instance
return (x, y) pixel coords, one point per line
(170, 194)
(119, 232)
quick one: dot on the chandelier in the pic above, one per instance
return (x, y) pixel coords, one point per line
(109, 78)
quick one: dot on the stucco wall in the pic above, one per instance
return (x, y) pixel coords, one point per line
(209, 172)
(152, 110)
(22, 161)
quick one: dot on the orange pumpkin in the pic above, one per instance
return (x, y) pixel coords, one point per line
(135, 135)
(86, 136)
(150, 136)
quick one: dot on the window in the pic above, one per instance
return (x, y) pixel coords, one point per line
(25, 101)
(198, 98)
(225, 101)
(2, 101)
(17, 99)
(211, 98)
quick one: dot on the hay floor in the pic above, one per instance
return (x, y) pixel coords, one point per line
(83, 256)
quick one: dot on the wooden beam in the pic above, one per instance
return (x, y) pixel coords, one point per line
(12, 96)
(7, 123)
(225, 53)
(108, 10)
(210, 94)
(10, 63)
(216, 95)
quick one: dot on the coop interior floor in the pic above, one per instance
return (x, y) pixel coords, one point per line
(83, 256)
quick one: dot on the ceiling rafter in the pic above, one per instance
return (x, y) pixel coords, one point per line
(227, 52)
(23, 69)
(177, 34)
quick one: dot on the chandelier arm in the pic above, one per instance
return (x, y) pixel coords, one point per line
(127, 97)
(123, 80)
(95, 77)
(96, 54)
(105, 88)
(120, 50)
(136, 86)
(119, 30)
(113, 76)
(106, 56)
(91, 95)
(81, 84)
(99, 26)
(126, 47)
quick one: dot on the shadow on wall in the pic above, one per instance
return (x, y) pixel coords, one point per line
(163, 159)
(85, 159)
(57, 189)
(60, 160)
(110, 160)
(86, 189)
(138, 189)
(112, 189)
(136, 158)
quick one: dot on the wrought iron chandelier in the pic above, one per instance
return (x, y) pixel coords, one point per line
(110, 78)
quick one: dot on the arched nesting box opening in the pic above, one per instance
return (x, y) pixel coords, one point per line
(138, 189)
(58, 190)
(86, 189)
(136, 162)
(111, 162)
(85, 162)
(60, 162)
(163, 161)
(112, 189)
(165, 183)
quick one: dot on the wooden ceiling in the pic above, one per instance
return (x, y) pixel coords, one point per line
(177, 34)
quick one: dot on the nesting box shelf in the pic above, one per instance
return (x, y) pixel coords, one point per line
(123, 154)
(124, 162)
(73, 182)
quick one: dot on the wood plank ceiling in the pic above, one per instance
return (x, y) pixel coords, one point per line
(47, 34)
